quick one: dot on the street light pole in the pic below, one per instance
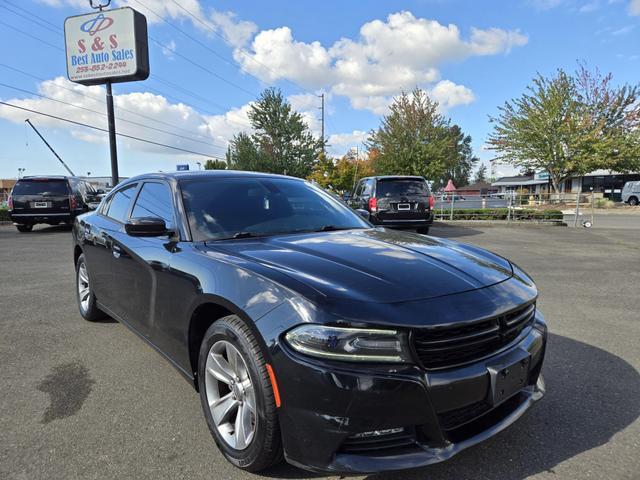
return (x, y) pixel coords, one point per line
(113, 149)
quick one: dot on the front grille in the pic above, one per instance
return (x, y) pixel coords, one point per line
(379, 444)
(448, 346)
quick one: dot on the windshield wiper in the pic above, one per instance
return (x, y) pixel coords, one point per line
(243, 235)
(332, 228)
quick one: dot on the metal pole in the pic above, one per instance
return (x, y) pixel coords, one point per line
(115, 177)
(575, 220)
(322, 127)
(592, 204)
(452, 200)
(50, 148)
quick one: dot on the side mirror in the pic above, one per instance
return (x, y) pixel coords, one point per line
(363, 213)
(146, 227)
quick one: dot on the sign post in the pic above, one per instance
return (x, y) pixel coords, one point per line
(106, 47)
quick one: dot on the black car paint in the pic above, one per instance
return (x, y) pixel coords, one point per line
(60, 211)
(387, 214)
(156, 285)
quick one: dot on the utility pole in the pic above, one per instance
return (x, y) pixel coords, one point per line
(50, 148)
(111, 120)
(322, 120)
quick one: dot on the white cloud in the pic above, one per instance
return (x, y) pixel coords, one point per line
(634, 7)
(448, 94)
(340, 143)
(236, 32)
(169, 50)
(389, 56)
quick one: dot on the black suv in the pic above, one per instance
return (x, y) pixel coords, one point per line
(395, 201)
(50, 200)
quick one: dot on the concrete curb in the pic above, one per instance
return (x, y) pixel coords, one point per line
(499, 223)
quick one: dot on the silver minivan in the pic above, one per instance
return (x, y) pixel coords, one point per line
(631, 193)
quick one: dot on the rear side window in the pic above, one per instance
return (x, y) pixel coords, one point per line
(119, 204)
(154, 201)
(41, 187)
(398, 187)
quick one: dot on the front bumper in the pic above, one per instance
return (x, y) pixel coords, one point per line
(327, 408)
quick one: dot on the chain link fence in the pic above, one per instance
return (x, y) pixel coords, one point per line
(513, 206)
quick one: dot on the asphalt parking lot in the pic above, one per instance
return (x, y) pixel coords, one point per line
(83, 400)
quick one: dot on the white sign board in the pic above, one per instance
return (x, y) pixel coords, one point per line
(109, 45)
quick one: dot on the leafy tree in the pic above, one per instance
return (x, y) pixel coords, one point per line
(214, 164)
(341, 174)
(415, 139)
(569, 126)
(481, 174)
(281, 142)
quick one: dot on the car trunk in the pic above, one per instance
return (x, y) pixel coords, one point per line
(41, 196)
(402, 199)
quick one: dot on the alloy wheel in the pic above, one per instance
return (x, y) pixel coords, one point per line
(83, 287)
(230, 395)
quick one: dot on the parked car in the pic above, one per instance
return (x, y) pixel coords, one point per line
(631, 193)
(50, 200)
(309, 334)
(395, 201)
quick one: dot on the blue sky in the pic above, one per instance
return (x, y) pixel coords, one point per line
(470, 55)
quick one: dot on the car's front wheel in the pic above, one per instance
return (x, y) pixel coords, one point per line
(24, 228)
(84, 292)
(237, 396)
(633, 201)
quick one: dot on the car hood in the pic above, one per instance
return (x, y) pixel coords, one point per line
(374, 265)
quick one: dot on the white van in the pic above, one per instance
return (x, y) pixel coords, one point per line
(631, 193)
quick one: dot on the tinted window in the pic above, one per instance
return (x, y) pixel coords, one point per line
(368, 188)
(397, 187)
(120, 202)
(222, 207)
(41, 187)
(154, 201)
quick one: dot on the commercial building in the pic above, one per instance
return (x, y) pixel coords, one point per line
(606, 183)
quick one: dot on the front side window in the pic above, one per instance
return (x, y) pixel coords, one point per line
(119, 203)
(154, 200)
(223, 207)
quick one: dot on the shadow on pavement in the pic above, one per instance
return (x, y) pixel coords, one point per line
(452, 231)
(591, 395)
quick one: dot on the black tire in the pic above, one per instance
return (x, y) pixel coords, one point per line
(633, 201)
(24, 228)
(423, 230)
(265, 449)
(92, 313)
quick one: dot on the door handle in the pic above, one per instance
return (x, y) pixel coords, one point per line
(116, 251)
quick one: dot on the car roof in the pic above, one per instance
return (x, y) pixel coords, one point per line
(393, 177)
(45, 177)
(190, 175)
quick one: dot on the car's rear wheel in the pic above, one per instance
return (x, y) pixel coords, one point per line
(24, 228)
(237, 396)
(633, 201)
(423, 230)
(86, 299)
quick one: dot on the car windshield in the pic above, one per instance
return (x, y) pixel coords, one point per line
(400, 187)
(224, 207)
(41, 187)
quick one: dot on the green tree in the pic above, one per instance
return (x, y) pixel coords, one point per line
(281, 142)
(481, 174)
(214, 164)
(569, 125)
(415, 139)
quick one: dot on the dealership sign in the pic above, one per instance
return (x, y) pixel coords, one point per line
(107, 46)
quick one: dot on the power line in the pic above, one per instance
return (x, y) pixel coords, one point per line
(104, 114)
(32, 36)
(33, 15)
(30, 19)
(101, 101)
(62, 119)
(241, 50)
(201, 67)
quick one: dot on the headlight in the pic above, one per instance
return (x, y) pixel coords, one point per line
(350, 344)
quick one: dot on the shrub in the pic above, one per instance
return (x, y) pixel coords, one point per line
(502, 214)
(604, 203)
(4, 215)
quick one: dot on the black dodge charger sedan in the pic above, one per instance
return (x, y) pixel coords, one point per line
(309, 334)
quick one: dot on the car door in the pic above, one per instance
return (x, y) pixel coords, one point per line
(138, 262)
(97, 232)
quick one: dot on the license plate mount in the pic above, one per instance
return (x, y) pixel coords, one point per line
(40, 204)
(404, 206)
(508, 375)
